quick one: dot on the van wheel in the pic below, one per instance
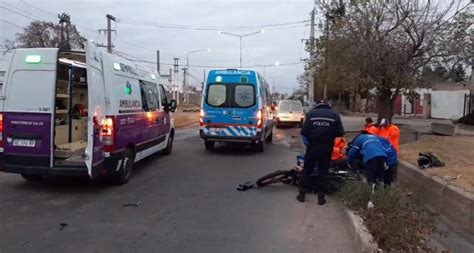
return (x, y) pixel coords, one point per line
(270, 137)
(31, 178)
(209, 145)
(169, 146)
(125, 172)
(260, 146)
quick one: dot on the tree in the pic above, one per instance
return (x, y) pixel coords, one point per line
(45, 34)
(385, 45)
(457, 73)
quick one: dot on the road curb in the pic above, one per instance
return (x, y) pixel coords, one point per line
(454, 204)
(363, 239)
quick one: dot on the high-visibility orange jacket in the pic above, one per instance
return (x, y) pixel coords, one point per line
(392, 133)
(340, 144)
(372, 128)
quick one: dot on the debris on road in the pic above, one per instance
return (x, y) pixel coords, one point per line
(63, 225)
(132, 204)
(450, 178)
(245, 186)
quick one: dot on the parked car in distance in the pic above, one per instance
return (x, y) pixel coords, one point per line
(289, 112)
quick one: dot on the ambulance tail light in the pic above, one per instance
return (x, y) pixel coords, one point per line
(202, 114)
(108, 133)
(1, 130)
(260, 119)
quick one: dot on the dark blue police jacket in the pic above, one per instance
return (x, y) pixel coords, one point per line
(322, 125)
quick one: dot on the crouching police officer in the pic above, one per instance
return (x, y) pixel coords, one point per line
(321, 126)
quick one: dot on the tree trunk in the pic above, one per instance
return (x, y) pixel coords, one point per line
(385, 108)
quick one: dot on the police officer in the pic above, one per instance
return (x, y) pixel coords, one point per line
(321, 126)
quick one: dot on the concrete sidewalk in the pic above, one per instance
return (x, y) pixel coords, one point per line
(356, 123)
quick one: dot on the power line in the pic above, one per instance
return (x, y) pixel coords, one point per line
(93, 30)
(136, 59)
(133, 21)
(12, 24)
(18, 9)
(18, 13)
(35, 7)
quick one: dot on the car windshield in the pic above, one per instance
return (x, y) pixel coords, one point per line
(285, 107)
(290, 106)
(296, 106)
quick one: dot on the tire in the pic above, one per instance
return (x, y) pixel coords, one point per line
(169, 146)
(125, 172)
(260, 146)
(209, 145)
(274, 177)
(270, 137)
(31, 178)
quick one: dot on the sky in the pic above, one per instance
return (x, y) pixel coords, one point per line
(139, 36)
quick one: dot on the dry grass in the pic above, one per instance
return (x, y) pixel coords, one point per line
(457, 152)
(182, 118)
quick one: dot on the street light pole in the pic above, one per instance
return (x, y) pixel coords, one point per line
(265, 66)
(241, 37)
(185, 86)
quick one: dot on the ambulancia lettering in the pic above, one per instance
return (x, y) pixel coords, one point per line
(232, 72)
(126, 103)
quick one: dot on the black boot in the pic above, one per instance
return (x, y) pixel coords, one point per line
(301, 196)
(321, 199)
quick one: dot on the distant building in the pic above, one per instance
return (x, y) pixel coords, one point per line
(451, 101)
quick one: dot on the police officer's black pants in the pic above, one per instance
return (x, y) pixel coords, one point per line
(317, 155)
(375, 169)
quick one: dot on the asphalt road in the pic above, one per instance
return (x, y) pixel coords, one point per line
(188, 203)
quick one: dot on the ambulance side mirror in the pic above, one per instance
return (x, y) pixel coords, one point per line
(172, 105)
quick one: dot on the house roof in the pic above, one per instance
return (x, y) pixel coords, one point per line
(452, 86)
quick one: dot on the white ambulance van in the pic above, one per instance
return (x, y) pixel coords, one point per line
(81, 113)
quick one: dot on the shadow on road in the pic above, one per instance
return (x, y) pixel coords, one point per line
(237, 149)
(55, 184)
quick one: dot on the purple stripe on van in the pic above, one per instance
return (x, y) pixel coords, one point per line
(27, 126)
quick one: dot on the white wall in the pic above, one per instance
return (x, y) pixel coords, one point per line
(447, 104)
(421, 92)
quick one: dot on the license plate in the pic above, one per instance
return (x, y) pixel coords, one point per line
(215, 130)
(24, 143)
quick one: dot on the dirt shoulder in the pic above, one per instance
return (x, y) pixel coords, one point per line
(457, 153)
(182, 119)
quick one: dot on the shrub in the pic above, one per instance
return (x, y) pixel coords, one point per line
(397, 222)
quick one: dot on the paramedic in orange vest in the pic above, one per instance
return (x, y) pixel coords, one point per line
(340, 144)
(370, 126)
(339, 157)
(390, 132)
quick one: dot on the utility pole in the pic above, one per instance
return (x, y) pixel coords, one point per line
(175, 83)
(312, 80)
(185, 85)
(203, 80)
(326, 57)
(158, 61)
(108, 31)
(65, 23)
